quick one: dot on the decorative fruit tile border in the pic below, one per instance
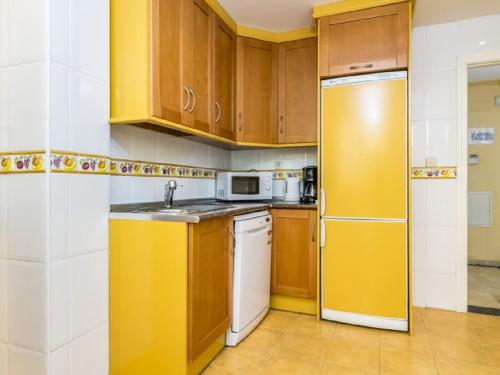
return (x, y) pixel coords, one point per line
(22, 162)
(434, 173)
(147, 169)
(68, 162)
(282, 174)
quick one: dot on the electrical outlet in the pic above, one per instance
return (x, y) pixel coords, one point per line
(278, 164)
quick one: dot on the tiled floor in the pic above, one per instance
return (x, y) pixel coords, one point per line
(444, 343)
(484, 286)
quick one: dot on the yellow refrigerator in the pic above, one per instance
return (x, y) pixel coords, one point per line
(364, 200)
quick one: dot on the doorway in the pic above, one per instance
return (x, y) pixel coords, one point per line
(483, 189)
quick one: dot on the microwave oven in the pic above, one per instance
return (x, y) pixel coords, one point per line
(240, 186)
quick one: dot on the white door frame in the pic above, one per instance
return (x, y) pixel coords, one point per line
(463, 63)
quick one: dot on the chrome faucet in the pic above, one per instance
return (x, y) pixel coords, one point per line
(169, 193)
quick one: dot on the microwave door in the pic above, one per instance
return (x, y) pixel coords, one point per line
(245, 185)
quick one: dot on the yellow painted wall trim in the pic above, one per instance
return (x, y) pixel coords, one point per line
(221, 12)
(329, 9)
(294, 304)
(279, 37)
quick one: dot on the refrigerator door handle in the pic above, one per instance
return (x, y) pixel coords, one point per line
(322, 234)
(322, 202)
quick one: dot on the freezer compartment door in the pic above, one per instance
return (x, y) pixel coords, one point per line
(364, 272)
(364, 149)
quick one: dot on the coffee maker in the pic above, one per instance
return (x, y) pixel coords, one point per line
(309, 179)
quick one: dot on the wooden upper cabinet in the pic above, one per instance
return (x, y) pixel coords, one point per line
(225, 81)
(210, 262)
(257, 83)
(170, 98)
(293, 271)
(298, 90)
(368, 40)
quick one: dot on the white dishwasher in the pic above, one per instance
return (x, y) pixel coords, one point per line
(251, 273)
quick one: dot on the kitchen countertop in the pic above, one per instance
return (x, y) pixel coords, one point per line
(211, 209)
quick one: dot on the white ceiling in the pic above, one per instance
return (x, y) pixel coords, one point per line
(484, 73)
(286, 15)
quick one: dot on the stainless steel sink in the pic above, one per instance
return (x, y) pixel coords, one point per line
(182, 210)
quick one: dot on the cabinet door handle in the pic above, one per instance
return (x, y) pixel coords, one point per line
(186, 90)
(323, 202)
(240, 121)
(313, 230)
(281, 124)
(354, 67)
(194, 101)
(322, 235)
(217, 105)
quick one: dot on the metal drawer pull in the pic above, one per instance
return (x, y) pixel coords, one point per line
(188, 98)
(218, 112)
(354, 67)
(194, 101)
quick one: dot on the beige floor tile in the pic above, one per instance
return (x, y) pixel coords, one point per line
(355, 354)
(403, 341)
(304, 347)
(456, 330)
(212, 370)
(279, 320)
(487, 336)
(358, 334)
(310, 325)
(248, 361)
(281, 364)
(441, 316)
(405, 362)
(456, 368)
(460, 351)
(332, 369)
(263, 338)
(493, 354)
(483, 320)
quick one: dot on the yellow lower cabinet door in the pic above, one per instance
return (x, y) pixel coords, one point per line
(365, 273)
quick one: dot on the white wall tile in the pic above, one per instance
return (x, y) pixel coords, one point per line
(418, 99)
(419, 202)
(60, 300)
(3, 359)
(441, 249)
(419, 283)
(27, 106)
(89, 354)
(3, 302)
(418, 143)
(419, 50)
(59, 106)
(3, 216)
(26, 362)
(245, 159)
(59, 361)
(143, 189)
(88, 213)
(267, 158)
(442, 203)
(442, 141)
(120, 189)
(167, 149)
(441, 95)
(442, 47)
(26, 30)
(88, 114)
(26, 304)
(3, 32)
(121, 142)
(3, 106)
(143, 144)
(441, 291)
(59, 214)
(419, 248)
(26, 217)
(89, 37)
(89, 292)
(59, 31)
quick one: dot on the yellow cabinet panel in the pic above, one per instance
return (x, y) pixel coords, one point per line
(365, 268)
(365, 149)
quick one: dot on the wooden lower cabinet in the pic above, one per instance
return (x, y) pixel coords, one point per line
(210, 260)
(294, 263)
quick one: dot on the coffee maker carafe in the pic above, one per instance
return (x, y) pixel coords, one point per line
(309, 178)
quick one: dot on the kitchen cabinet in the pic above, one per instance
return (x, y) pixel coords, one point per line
(257, 87)
(182, 62)
(367, 40)
(298, 91)
(209, 285)
(293, 270)
(225, 80)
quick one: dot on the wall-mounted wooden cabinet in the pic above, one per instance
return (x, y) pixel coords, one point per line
(367, 40)
(294, 263)
(257, 89)
(176, 64)
(298, 91)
